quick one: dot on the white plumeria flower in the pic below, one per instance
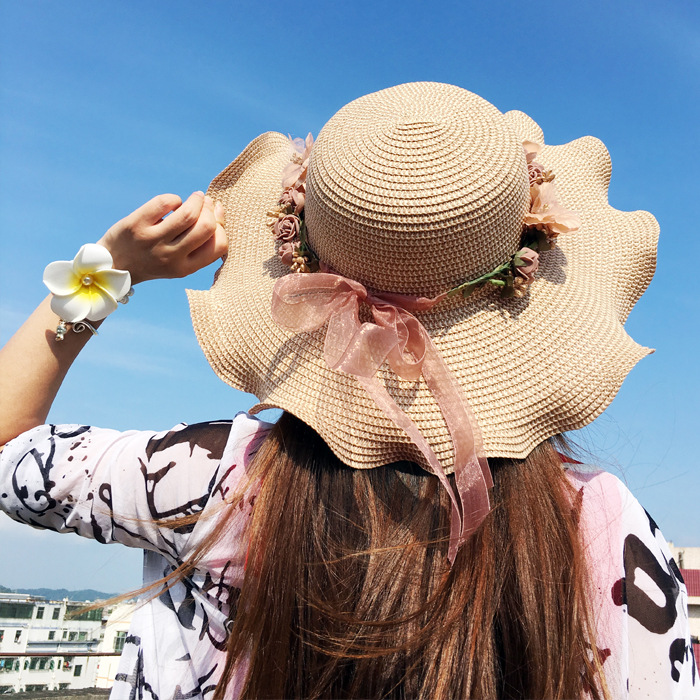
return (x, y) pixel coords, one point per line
(86, 288)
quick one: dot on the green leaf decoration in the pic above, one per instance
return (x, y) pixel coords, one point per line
(465, 289)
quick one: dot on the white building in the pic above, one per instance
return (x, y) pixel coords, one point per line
(52, 645)
(688, 560)
(115, 632)
(686, 557)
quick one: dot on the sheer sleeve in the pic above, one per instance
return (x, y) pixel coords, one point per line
(116, 486)
(638, 598)
(661, 662)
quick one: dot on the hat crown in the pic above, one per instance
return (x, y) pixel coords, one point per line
(416, 189)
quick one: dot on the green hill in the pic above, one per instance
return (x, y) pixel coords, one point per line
(61, 593)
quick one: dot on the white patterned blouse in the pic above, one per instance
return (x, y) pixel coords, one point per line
(125, 487)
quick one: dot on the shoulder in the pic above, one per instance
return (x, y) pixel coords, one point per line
(607, 498)
(640, 600)
(222, 441)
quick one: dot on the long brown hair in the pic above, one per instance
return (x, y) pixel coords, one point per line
(348, 594)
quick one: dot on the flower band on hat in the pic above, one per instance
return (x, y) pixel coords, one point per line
(546, 220)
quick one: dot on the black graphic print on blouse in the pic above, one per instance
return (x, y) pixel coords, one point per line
(650, 591)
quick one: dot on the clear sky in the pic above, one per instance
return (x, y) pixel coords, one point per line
(103, 105)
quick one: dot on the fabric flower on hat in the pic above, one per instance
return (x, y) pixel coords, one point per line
(86, 288)
(295, 172)
(286, 228)
(286, 252)
(526, 262)
(537, 174)
(294, 197)
(548, 215)
(531, 150)
(286, 199)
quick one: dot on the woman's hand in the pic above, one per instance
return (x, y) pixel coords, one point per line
(167, 237)
(164, 238)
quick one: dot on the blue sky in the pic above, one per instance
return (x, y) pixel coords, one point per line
(103, 105)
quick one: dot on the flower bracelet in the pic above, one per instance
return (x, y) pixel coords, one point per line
(86, 289)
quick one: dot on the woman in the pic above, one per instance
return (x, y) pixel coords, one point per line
(419, 294)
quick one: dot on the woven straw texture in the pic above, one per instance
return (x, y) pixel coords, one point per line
(415, 189)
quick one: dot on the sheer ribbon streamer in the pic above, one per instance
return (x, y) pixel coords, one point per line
(304, 302)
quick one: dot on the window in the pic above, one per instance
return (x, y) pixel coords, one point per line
(34, 663)
(68, 663)
(63, 686)
(18, 636)
(72, 636)
(17, 611)
(92, 615)
(42, 663)
(2, 635)
(52, 634)
(65, 633)
(56, 613)
(119, 640)
(82, 636)
(33, 688)
(40, 612)
(78, 669)
(8, 664)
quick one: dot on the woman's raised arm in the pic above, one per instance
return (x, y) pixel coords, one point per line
(164, 238)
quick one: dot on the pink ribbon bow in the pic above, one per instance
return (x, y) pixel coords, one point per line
(304, 302)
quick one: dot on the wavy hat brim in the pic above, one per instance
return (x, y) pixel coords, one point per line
(531, 368)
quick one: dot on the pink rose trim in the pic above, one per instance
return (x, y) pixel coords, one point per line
(286, 252)
(530, 261)
(287, 228)
(537, 174)
(286, 200)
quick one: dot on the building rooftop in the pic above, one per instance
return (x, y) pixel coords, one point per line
(23, 597)
(67, 694)
(692, 581)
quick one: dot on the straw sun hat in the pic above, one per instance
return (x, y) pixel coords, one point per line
(415, 190)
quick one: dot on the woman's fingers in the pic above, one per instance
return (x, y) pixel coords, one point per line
(204, 242)
(153, 211)
(212, 249)
(168, 238)
(182, 219)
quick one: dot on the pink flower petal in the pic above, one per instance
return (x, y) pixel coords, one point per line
(297, 144)
(291, 174)
(531, 150)
(286, 252)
